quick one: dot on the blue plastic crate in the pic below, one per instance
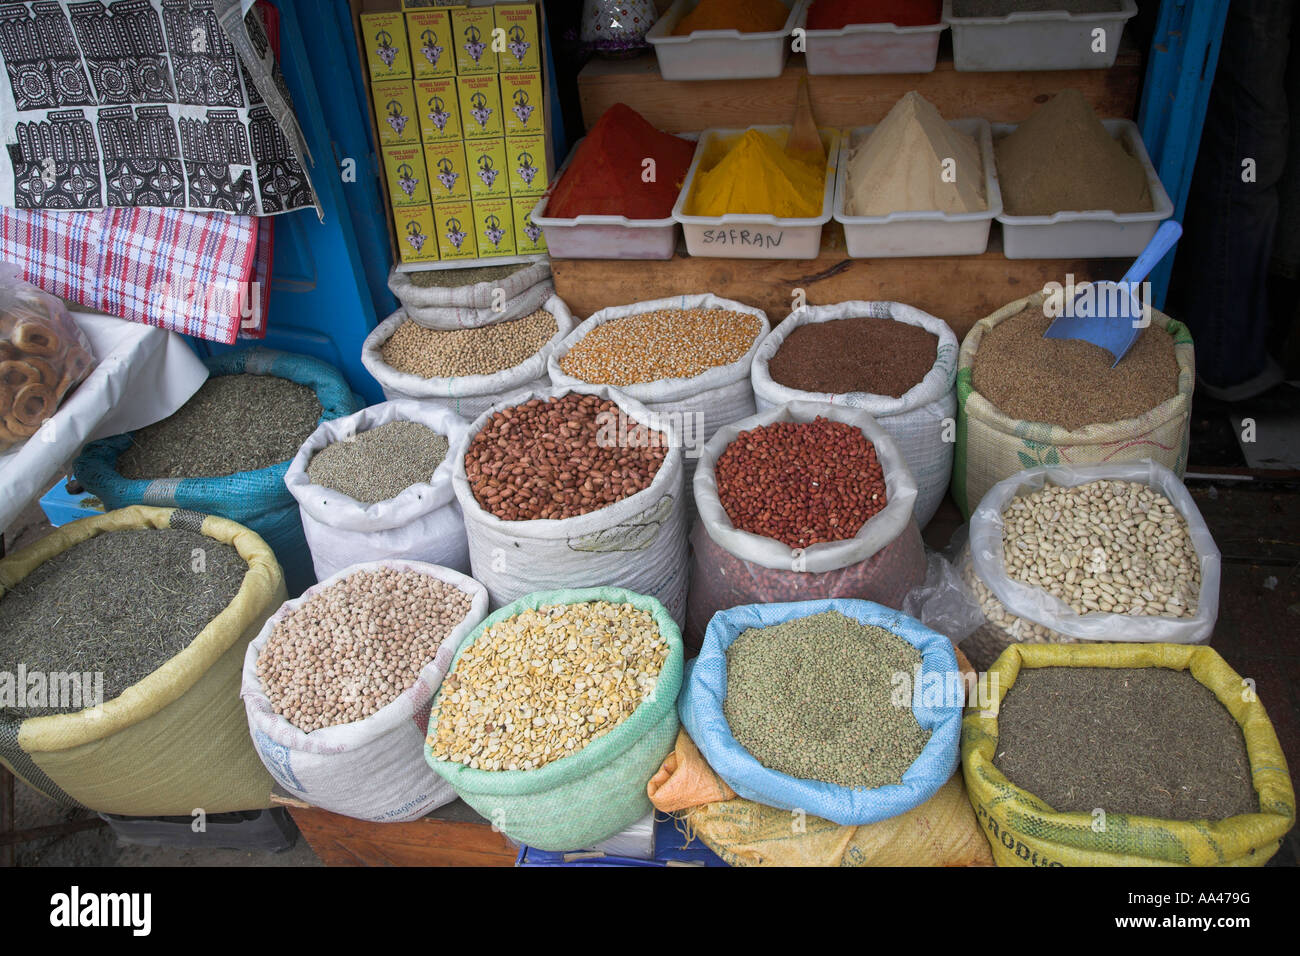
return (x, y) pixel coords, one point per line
(671, 848)
(62, 507)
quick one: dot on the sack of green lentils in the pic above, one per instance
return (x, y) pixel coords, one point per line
(916, 419)
(382, 492)
(470, 298)
(174, 739)
(598, 787)
(1124, 556)
(993, 445)
(465, 370)
(881, 562)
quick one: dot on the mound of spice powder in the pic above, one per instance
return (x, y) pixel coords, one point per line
(606, 176)
(756, 176)
(747, 16)
(837, 14)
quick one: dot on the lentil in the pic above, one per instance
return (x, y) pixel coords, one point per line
(1146, 740)
(548, 458)
(812, 698)
(544, 683)
(666, 343)
(457, 278)
(119, 604)
(874, 356)
(233, 423)
(381, 463)
(1069, 382)
(801, 482)
(454, 353)
(356, 646)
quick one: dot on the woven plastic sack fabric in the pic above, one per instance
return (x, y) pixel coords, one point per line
(176, 739)
(469, 306)
(598, 791)
(469, 396)
(992, 446)
(638, 543)
(1025, 831)
(423, 523)
(915, 420)
(370, 769)
(705, 690)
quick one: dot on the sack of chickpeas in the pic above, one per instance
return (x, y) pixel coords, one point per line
(465, 369)
(377, 485)
(470, 298)
(338, 683)
(569, 487)
(1115, 552)
(802, 502)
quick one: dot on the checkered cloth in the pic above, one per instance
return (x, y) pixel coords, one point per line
(205, 275)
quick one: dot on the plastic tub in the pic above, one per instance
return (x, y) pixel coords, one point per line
(1094, 234)
(1045, 40)
(926, 232)
(870, 48)
(720, 54)
(753, 236)
(605, 237)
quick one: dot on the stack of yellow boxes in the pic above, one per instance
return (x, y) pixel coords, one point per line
(458, 101)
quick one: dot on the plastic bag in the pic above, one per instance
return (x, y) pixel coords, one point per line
(471, 306)
(43, 356)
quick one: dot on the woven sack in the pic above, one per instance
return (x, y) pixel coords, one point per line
(471, 306)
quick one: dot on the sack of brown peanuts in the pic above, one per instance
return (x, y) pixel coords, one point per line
(882, 562)
(1134, 562)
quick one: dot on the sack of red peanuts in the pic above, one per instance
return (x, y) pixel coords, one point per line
(803, 501)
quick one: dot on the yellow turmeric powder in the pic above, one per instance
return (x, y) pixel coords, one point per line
(747, 16)
(757, 176)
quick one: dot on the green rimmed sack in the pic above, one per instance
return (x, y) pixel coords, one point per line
(176, 739)
(992, 446)
(1025, 831)
(596, 792)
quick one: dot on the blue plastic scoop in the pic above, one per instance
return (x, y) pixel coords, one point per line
(1109, 314)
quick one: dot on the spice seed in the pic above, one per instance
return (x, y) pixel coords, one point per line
(381, 463)
(861, 354)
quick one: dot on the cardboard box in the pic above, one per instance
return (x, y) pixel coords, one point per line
(455, 224)
(418, 243)
(522, 104)
(395, 113)
(526, 165)
(448, 174)
(408, 182)
(427, 4)
(488, 172)
(429, 35)
(438, 104)
(384, 39)
(522, 53)
(494, 224)
(480, 107)
(528, 235)
(472, 32)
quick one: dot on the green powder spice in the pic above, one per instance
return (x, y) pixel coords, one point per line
(119, 604)
(233, 423)
(455, 278)
(381, 463)
(813, 698)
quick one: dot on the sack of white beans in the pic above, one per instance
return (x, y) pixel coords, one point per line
(1115, 552)
(477, 304)
(338, 684)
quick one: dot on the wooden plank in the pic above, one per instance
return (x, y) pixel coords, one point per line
(847, 100)
(343, 841)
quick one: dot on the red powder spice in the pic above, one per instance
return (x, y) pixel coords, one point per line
(605, 177)
(837, 14)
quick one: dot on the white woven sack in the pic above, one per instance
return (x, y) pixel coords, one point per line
(423, 523)
(470, 395)
(468, 299)
(915, 420)
(881, 530)
(638, 543)
(370, 769)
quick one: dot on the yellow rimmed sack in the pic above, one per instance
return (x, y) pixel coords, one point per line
(176, 740)
(992, 446)
(1025, 831)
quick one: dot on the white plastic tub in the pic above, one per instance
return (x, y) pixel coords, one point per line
(926, 232)
(870, 48)
(746, 236)
(1097, 233)
(605, 237)
(720, 54)
(1045, 40)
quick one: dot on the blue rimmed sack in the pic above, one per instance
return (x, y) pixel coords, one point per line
(256, 499)
(705, 688)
